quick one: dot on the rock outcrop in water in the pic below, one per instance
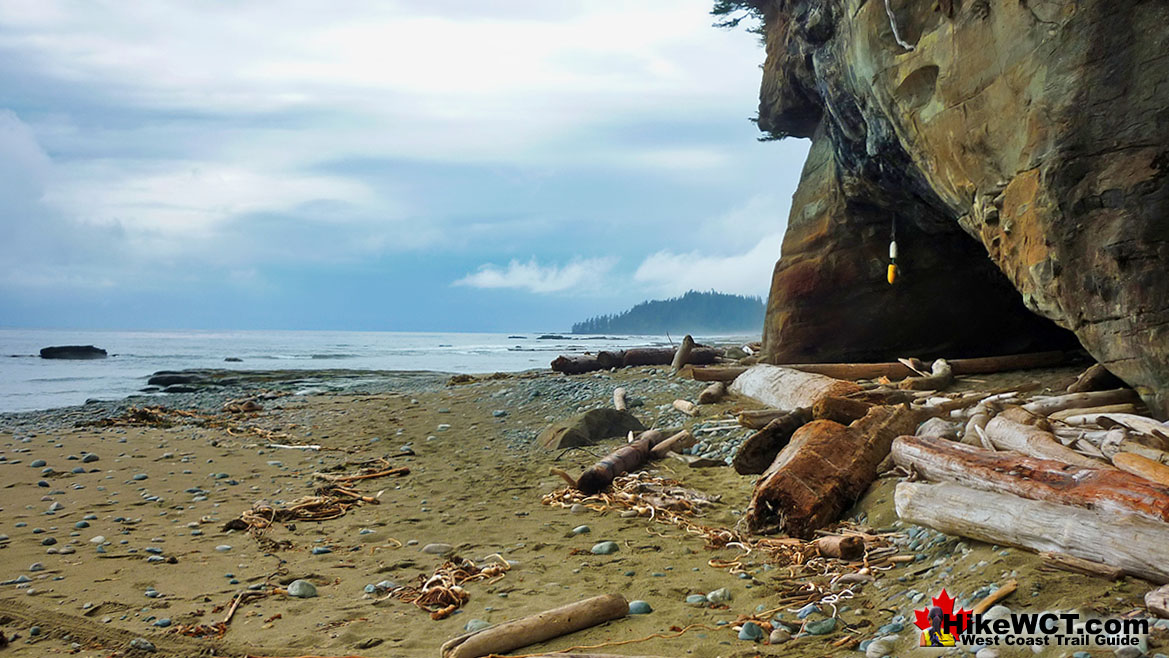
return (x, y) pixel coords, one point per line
(1021, 147)
(73, 352)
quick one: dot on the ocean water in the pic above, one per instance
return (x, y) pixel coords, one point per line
(28, 382)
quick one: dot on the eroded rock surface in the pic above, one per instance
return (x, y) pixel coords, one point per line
(1035, 132)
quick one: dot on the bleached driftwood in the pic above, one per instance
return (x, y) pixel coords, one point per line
(714, 373)
(1136, 423)
(784, 388)
(1045, 406)
(619, 399)
(1135, 544)
(1157, 601)
(546, 625)
(713, 393)
(1007, 434)
(1118, 440)
(938, 428)
(682, 356)
(675, 443)
(1106, 490)
(759, 418)
(941, 375)
(1079, 565)
(1090, 415)
(687, 407)
(975, 366)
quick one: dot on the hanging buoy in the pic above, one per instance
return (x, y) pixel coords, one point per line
(892, 274)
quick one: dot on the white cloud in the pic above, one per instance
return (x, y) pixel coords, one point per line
(749, 273)
(582, 274)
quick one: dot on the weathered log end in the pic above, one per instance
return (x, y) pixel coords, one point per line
(823, 470)
(760, 449)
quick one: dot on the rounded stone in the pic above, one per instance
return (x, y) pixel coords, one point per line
(751, 632)
(474, 625)
(696, 599)
(223, 548)
(302, 589)
(639, 608)
(37, 463)
(34, 631)
(581, 530)
(89, 458)
(139, 476)
(162, 623)
(779, 636)
(720, 595)
(605, 548)
(437, 549)
(821, 627)
(879, 649)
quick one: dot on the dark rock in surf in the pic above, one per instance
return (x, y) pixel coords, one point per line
(73, 352)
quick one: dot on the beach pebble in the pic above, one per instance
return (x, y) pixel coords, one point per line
(997, 612)
(987, 652)
(48, 541)
(577, 508)
(581, 529)
(751, 632)
(223, 548)
(821, 627)
(321, 550)
(89, 458)
(142, 644)
(37, 463)
(720, 595)
(56, 507)
(302, 589)
(442, 427)
(100, 539)
(1126, 652)
(779, 636)
(34, 631)
(879, 649)
(604, 548)
(162, 623)
(807, 610)
(696, 599)
(81, 524)
(139, 476)
(474, 625)
(499, 413)
(437, 549)
(36, 566)
(639, 608)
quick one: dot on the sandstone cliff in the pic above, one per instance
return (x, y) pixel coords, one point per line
(1021, 147)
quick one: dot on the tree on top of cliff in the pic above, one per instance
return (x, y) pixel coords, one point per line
(695, 312)
(729, 13)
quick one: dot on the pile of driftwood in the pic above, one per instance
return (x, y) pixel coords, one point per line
(1080, 476)
(685, 354)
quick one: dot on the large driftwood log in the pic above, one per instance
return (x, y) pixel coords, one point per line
(714, 373)
(784, 388)
(1007, 434)
(664, 356)
(1135, 544)
(977, 366)
(823, 470)
(682, 356)
(1105, 490)
(546, 625)
(760, 449)
(675, 443)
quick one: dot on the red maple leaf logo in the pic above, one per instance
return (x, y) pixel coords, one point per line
(946, 603)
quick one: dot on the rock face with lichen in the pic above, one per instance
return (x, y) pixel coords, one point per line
(1021, 149)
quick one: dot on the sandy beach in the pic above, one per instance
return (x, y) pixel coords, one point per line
(99, 552)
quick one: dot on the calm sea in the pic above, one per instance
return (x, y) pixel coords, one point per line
(28, 382)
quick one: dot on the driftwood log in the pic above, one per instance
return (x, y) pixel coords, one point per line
(619, 399)
(687, 407)
(541, 627)
(1157, 601)
(784, 388)
(760, 449)
(714, 373)
(1137, 545)
(941, 376)
(893, 371)
(675, 443)
(1095, 378)
(622, 460)
(757, 419)
(823, 470)
(1008, 434)
(1106, 490)
(1078, 565)
(841, 410)
(1142, 467)
(713, 393)
(682, 356)
(844, 547)
(575, 364)
(1045, 406)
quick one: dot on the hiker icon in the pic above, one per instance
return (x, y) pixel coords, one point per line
(934, 636)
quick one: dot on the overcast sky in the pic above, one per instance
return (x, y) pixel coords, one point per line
(425, 165)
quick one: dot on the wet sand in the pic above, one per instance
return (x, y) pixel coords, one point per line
(476, 482)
